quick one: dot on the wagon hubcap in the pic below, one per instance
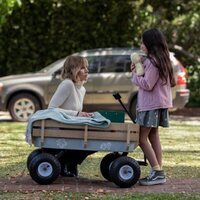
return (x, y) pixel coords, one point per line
(45, 169)
(126, 172)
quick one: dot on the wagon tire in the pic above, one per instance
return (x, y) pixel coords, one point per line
(32, 155)
(44, 168)
(106, 163)
(125, 172)
(22, 105)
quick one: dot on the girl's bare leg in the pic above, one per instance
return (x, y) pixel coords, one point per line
(146, 146)
(156, 145)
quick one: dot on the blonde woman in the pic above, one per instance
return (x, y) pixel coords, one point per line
(69, 96)
(70, 93)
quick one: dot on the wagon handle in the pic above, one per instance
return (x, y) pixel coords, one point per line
(118, 97)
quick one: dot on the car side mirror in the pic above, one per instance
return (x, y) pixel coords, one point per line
(56, 74)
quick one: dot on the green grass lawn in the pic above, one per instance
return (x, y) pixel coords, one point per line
(181, 158)
(95, 196)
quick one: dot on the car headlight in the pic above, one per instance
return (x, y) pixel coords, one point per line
(1, 87)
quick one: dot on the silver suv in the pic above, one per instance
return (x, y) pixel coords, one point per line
(109, 71)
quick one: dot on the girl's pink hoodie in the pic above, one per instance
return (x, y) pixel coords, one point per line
(153, 93)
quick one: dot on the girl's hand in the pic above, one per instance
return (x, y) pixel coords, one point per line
(85, 114)
(132, 67)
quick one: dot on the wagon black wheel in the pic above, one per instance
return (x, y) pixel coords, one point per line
(44, 168)
(38, 151)
(22, 106)
(32, 155)
(106, 163)
(125, 171)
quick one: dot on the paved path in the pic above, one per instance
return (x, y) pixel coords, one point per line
(26, 184)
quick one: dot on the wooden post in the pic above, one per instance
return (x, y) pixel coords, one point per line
(85, 136)
(42, 132)
(128, 136)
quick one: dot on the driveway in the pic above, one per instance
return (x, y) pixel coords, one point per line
(5, 116)
(81, 184)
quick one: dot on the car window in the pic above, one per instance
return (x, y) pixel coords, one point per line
(52, 67)
(93, 64)
(115, 63)
(57, 74)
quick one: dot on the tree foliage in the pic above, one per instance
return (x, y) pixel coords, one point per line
(43, 31)
(6, 8)
(35, 33)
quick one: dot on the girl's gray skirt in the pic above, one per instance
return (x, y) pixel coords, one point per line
(153, 118)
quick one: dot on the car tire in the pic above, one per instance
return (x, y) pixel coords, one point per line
(22, 106)
(44, 168)
(133, 108)
(106, 163)
(125, 171)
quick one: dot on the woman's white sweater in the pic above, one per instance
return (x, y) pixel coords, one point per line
(68, 96)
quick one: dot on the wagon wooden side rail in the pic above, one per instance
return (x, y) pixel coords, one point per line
(121, 137)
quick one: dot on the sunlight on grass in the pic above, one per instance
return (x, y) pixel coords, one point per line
(14, 149)
(181, 152)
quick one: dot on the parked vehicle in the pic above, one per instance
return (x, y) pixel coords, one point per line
(109, 71)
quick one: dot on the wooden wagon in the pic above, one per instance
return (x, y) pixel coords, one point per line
(53, 138)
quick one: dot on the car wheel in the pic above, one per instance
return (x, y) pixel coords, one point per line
(44, 168)
(22, 106)
(133, 108)
(106, 163)
(125, 171)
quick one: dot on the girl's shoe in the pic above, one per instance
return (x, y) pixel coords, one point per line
(155, 178)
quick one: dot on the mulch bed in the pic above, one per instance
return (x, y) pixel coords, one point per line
(193, 112)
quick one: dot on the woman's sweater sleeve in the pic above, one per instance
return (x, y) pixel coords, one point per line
(149, 79)
(60, 95)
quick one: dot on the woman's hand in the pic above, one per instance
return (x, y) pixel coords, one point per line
(85, 114)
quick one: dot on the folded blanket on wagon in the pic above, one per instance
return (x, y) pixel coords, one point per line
(60, 115)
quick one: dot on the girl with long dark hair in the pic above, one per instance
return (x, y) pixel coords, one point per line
(154, 99)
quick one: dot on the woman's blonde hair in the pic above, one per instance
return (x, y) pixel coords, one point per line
(72, 66)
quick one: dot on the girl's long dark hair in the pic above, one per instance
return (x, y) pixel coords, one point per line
(158, 52)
